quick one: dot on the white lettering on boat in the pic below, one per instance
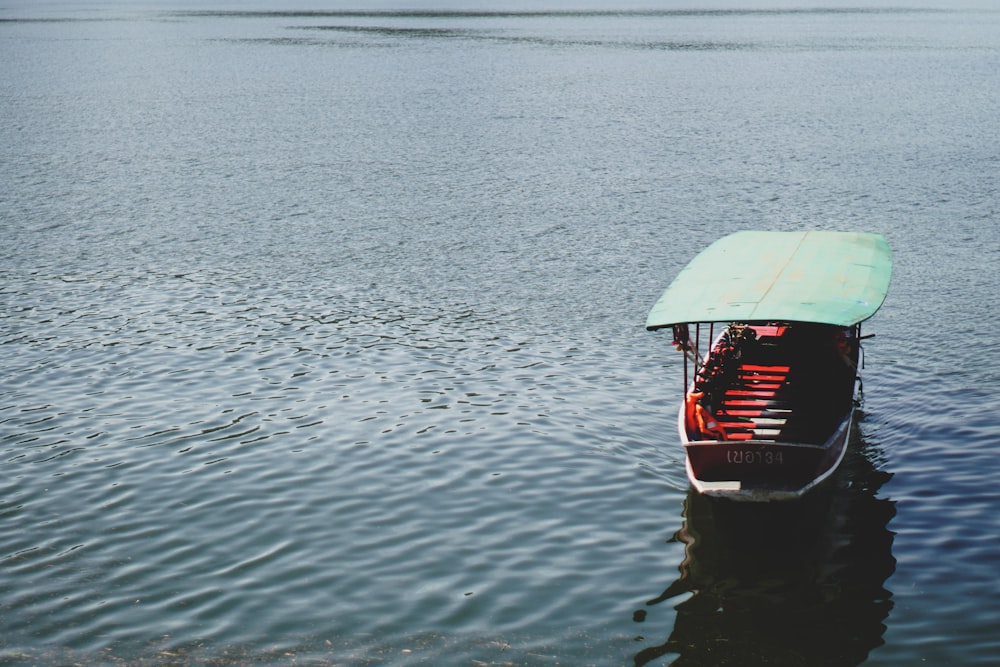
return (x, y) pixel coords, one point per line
(755, 457)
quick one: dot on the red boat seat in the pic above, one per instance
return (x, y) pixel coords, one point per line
(765, 369)
(765, 330)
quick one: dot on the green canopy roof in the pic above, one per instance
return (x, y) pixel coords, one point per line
(838, 278)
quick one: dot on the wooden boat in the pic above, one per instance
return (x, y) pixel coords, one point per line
(770, 402)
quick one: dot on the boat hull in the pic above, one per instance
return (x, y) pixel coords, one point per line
(763, 470)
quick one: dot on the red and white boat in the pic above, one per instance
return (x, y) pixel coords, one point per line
(769, 404)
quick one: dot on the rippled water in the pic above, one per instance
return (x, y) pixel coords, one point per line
(322, 342)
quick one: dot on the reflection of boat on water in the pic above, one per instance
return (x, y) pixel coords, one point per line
(769, 408)
(782, 584)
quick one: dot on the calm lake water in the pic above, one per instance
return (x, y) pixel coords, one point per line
(321, 332)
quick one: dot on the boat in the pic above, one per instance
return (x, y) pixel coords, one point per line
(769, 403)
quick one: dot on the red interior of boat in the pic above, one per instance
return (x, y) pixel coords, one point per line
(791, 384)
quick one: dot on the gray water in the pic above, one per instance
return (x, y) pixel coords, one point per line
(321, 332)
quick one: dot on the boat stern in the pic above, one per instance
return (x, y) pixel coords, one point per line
(759, 470)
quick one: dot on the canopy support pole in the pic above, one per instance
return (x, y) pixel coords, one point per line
(685, 372)
(697, 349)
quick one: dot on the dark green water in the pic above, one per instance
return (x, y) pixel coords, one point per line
(321, 332)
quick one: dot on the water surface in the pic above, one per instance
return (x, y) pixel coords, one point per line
(322, 341)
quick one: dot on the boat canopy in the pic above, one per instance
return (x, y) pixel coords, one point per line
(838, 278)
